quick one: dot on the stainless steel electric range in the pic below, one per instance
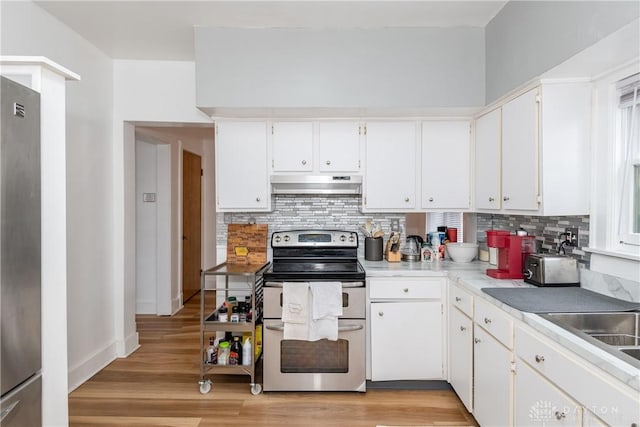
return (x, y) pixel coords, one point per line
(304, 256)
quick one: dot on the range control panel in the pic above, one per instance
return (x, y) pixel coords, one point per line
(315, 238)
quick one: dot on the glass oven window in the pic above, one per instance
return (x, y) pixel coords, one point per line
(314, 357)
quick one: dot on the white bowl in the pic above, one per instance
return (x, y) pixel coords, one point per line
(462, 252)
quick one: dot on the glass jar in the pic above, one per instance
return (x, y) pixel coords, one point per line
(223, 353)
(223, 315)
(235, 314)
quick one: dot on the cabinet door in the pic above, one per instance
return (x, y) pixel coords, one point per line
(487, 162)
(390, 177)
(461, 355)
(491, 380)
(339, 146)
(445, 165)
(406, 340)
(538, 403)
(520, 152)
(292, 146)
(242, 180)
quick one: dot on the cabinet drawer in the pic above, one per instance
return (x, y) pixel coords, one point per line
(609, 399)
(494, 321)
(401, 288)
(461, 299)
(538, 402)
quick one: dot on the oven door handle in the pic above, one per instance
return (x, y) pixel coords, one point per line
(343, 328)
(344, 284)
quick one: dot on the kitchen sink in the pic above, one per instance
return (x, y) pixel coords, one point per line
(617, 333)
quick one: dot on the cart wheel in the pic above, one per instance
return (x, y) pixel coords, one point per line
(256, 389)
(205, 386)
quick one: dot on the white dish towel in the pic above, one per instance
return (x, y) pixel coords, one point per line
(295, 310)
(326, 307)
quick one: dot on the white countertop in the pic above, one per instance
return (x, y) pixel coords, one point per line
(472, 277)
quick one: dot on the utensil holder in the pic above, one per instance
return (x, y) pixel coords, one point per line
(373, 248)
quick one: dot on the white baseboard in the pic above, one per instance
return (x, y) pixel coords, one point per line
(128, 345)
(80, 373)
(176, 305)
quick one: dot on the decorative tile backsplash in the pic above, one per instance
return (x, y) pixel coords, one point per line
(305, 212)
(546, 230)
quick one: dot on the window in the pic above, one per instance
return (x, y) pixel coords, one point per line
(448, 219)
(614, 219)
(627, 163)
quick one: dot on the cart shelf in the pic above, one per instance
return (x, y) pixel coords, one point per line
(251, 276)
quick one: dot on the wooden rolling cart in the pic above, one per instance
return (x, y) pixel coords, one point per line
(249, 285)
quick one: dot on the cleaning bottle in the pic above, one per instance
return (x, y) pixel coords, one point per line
(235, 353)
(247, 351)
(211, 351)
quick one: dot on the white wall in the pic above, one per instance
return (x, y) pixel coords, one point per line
(340, 68)
(144, 92)
(527, 38)
(154, 278)
(146, 227)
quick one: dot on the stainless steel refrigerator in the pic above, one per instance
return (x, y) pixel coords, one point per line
(20, 248)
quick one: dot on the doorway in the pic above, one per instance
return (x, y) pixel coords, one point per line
(191, 224)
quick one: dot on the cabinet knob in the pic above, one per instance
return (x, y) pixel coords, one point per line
(328, 162)
(491, 199)
(487, 320)
(458, 299)
(257, 199)
(304, 162)
(462, 329)
(476, 340)
(505, 198)
(431, 199)
(406, 199)
(560, 415)
(380, 313)
(539, 358)
(406, 290)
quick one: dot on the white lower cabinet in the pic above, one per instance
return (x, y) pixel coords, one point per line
(461, 356)
(492, 380)
(406, 340)
(539, 403)
(523, 378)
(406, 328)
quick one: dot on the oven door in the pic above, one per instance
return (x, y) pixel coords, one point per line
(353, 300)
(293, 365)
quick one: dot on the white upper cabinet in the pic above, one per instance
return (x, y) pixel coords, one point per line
(445, 165)
(487, 162)
(292, 146)
(339, 147)
(390, 167)
(242, 179)
(540, 150)
(520, 152)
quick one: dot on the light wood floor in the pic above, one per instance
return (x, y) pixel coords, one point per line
(157, 386)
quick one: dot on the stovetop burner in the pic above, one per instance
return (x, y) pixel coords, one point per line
(315, 255)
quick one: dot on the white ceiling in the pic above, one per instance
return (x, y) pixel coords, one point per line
(164, 29)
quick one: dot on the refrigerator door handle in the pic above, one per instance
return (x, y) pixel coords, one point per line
(5, 412)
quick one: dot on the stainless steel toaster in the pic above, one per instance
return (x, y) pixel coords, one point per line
(551, 270)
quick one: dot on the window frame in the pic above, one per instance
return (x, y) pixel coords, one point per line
(609, 256)
(625, 186)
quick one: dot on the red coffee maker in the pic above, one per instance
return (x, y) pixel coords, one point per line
(512, 250)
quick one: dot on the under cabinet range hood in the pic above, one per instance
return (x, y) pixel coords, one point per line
(316, 184)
